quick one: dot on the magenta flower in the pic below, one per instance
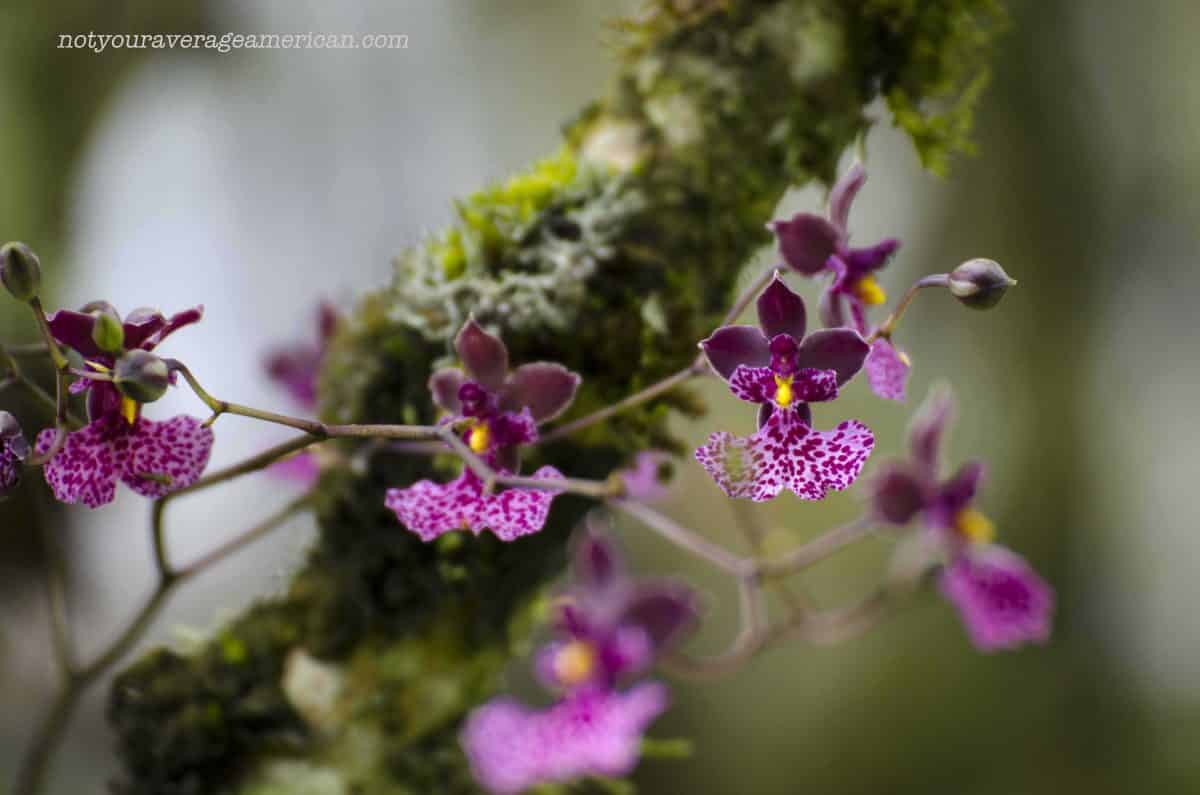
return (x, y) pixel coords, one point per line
(500, 412)
(13, 452)
(782, 369)
(646, 480)
(1002, 601)
(296, 368)
(611, 628)
(152, 458)
(814, 245)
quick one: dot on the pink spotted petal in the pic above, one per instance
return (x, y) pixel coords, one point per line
(85, 469)
(752, 384)
(815, 386)
(177, 449)
(513, 513)
(1004, 604)
(887, 370)
(787, 453)
(595, 732)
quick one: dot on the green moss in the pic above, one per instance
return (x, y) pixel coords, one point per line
(612, 257)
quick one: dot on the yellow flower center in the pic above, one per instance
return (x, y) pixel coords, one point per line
(975, 526)
(869, 291)
(479, 439)
(575, 663)
(783, 391)
(129, 410)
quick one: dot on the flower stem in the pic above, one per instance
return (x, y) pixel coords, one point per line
(888, 326)
(818, 549)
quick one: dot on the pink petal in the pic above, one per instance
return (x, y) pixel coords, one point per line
(787, 453)
(815, 386)
(178, 449)
(645, 481)
(85, 469)
(301, 469)
(590, 733)
(887, 370)
(752, 384)
(1003, 602)
(513, 513)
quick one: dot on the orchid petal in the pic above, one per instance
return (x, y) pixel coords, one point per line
(839, 349)
(444, 385)
(841, 198)
(85, 469)
(545, 388)
(74, 329)
(730, 346)
(175, 452)
(887, 370)
(806, 241)
(484, 356)
(1002, 601)
(781, 311)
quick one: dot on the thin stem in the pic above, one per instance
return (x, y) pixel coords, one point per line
(754, 533)
(56, 596)
(686, 539)
(750, 639)
(818, 549)
(888, 326)
(30, 350)
(62, 411)
(31, 776)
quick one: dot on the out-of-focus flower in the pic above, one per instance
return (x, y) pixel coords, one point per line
(611, 628)
(20, 271)
(979, 283)
(782, 369)
(152, 458)
(13, 452)
(499, 412)
(1002, 601)
(646, 480)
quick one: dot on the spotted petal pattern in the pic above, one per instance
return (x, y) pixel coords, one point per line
(86, 470)
(1003, 602)
(757, 385)
(787, 453)
(432, 509)
(887, 370)
(595, 732)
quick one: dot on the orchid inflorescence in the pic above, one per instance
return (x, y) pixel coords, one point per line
(610, 627)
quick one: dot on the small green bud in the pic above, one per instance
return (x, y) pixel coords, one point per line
(108, 333)
(20, 271)
(979, 283)
(141, 376)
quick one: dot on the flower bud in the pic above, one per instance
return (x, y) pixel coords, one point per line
(979, 283)
(13, 451)
(108, 333)
(141, 376)
(20, 271)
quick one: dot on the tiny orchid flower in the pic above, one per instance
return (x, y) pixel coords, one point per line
(1002, 601)
(783, 369)
(646, 480)
(500, 412)
(814, 245)
(152, 458)
(13, 452)
(611, 628)
(296, 368)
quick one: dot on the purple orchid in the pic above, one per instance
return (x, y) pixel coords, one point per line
(500, 411)
(1002, 601)
(152, 458)
(296, 368)
(783, 369)
(646, 480)
(611, 629)
(813, 245)
(13, 452)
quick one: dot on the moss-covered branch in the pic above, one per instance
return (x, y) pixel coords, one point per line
(613, 257)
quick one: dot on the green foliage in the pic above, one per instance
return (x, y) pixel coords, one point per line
(613, 257)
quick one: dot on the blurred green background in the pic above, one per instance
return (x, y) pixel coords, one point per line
(257, 182)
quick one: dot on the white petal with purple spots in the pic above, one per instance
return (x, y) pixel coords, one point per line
(887, 370)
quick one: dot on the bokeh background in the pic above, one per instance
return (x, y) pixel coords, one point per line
(258, 182)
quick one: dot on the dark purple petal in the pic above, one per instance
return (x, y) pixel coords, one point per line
(177, 321)
(960, 490)
(327, 322)
(511, 429)
(596, 562)
(787, 453)
(665, 611)
(898, 495)
(766, 410)
(753, 384)
(296, 369)
(839, 349)
(781, 311)
(545, 388)
(814, 386)
(887, 370)
(861, 261)
(593, 732)
(483, 355)
(841, 198)
(174, 452)
(1003, 603)
(103, 400)
(806, 241)
(475, 400)
(140, 324)
(730, 346)
(929, 426)
(444, 386)
(74, 329)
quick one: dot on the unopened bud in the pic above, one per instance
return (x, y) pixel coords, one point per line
(141, 376)
(20, 271)
(980, 283)
(13, 451)
(108, 333)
